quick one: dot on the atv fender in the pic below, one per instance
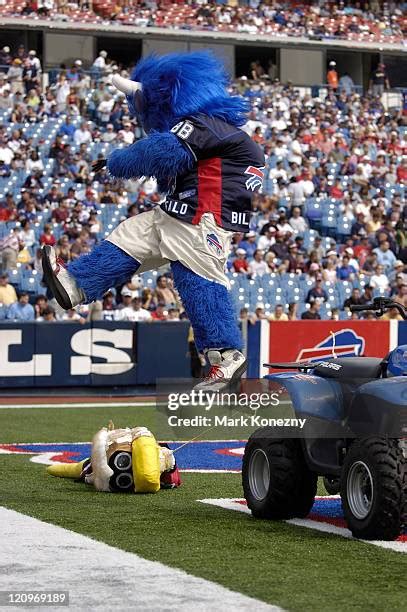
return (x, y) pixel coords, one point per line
(379, 408)
(312, 395)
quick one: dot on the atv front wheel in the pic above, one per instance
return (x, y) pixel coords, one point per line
(374, 489)
(277, 483)
(332, 485)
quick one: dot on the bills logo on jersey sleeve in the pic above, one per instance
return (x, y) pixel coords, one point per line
(256, 176)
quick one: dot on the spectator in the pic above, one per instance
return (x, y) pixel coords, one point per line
(332, 76)
(34, 164)
(292, 311)
(317, 293)
(71, 316)
(313, 312)
(297, 221)
(379, 80)
(345, 271)
(159, 314)
(367, 295)
(173, 314)
(258, 267)
(278, 314)
(385, 257)
(398, 272)
(67, 129)
(7, 292)
(240, 264)
(249, 244)
(21, 310)
(356, 299)
(258, 314)
(346, 84)
(392, 315)
(82, 135)
(109, 305)
(41, 303)
(15, 76)
(379, 280)
(26, 235)
(99, 65)
(9, 247)
(135, 312)
(244, 314)
(48, 315)
(47, 237)
(164, 293)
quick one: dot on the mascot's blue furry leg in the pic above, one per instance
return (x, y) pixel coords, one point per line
(209, 308)
(104, 267)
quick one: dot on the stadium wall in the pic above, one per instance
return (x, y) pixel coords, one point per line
(122, 353)
(97, 354)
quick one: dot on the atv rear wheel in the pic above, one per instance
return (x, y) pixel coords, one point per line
(277, 483)
(374, 489)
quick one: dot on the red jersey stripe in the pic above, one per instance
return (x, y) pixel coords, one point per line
(209, 189)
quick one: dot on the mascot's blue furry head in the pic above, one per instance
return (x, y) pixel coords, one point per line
(164, 90)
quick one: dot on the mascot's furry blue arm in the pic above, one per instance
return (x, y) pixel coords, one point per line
(162, 92)
(160, 155)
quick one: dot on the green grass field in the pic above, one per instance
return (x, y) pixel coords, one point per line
(296, 568)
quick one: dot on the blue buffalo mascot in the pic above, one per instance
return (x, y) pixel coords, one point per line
(208, 168)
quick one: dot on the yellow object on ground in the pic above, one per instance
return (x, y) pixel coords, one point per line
(66, 470)
(146, 464)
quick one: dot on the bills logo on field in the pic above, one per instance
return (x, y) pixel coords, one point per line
(344, 343)
(197, 456)
(256, 178)
(214, 243)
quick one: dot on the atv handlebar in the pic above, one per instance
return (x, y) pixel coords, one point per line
(380, 305)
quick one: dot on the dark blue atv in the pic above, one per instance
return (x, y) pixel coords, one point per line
(356, 412)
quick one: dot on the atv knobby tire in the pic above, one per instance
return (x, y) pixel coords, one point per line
(277, 483)
(377, 468)
(332, 485)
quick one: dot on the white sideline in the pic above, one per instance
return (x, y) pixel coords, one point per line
(38, 556)
(233, 504)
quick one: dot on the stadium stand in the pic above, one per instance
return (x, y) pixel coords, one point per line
(328, 230)
(353, 21)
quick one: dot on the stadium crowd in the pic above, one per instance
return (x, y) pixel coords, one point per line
(371, 20)
(328, 230)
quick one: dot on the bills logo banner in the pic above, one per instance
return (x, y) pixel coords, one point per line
(319, 340)
(256, 178)
(344, 343)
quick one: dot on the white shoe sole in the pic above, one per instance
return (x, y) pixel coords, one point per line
(223, 384)
(51, 280)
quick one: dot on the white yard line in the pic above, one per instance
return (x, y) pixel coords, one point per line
(78, 405)
(233, 504)
(38, 556)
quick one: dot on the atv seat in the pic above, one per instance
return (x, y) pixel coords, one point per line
(350, 368)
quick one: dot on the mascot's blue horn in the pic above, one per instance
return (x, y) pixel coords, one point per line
(126, 86)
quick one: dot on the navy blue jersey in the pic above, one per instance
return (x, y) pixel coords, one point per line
(228, 169)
